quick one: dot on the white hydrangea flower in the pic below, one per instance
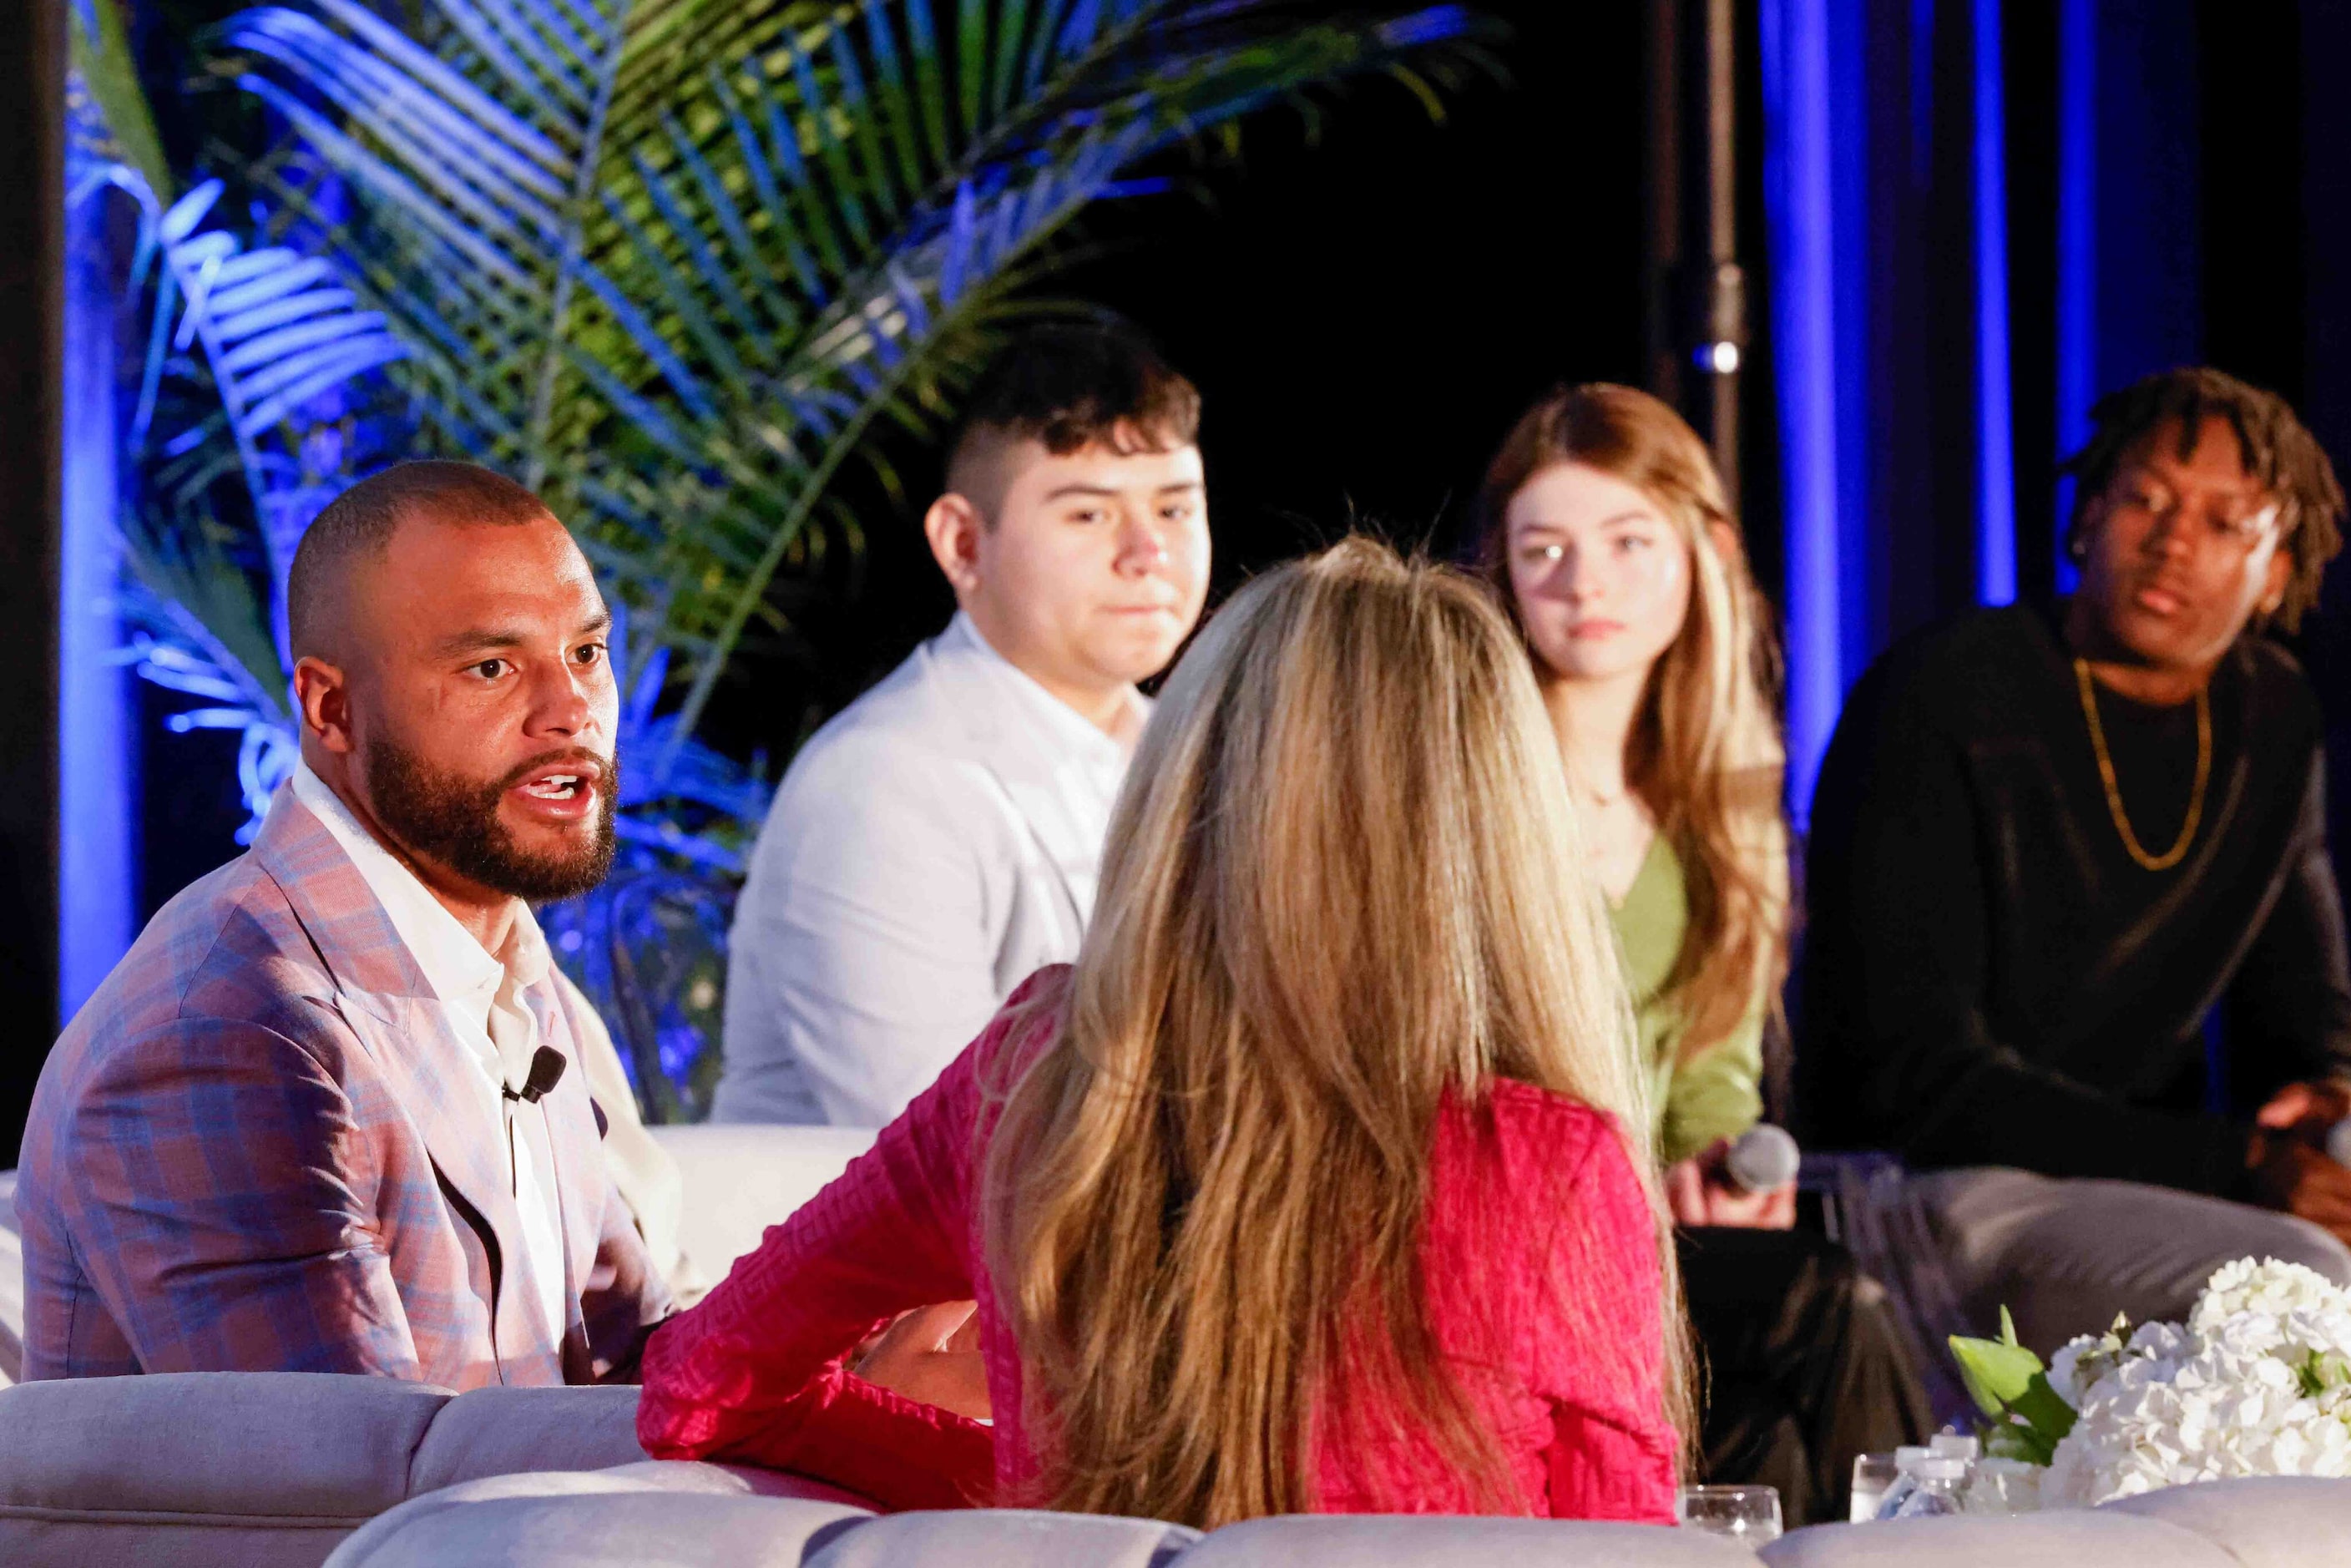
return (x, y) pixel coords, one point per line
(2258, 1383)
(2268, 1287)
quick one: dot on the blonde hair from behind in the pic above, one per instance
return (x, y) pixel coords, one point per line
(1706, 754)
(1342, 883)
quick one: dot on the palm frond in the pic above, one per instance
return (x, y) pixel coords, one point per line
(276, 329)
(667, 261)
(228, 458)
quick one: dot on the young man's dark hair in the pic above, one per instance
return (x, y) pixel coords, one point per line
(2278, 454)
(1069, 386)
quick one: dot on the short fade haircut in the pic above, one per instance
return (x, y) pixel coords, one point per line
(361, 520)
(2278, 452)
(1069, 386)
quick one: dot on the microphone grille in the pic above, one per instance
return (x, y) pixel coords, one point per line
(1764, 1157)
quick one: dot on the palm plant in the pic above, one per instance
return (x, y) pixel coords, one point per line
(239, 428)
(668, 261)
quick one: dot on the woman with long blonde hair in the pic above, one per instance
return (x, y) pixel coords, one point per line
(1608, 534)
(1322, 1181)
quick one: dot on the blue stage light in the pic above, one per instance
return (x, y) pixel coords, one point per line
(1801, 241)
(1995, 438)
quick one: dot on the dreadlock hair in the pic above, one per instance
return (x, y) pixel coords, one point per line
(2278, 452)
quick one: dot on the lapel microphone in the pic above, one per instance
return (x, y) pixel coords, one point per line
(547, 1065)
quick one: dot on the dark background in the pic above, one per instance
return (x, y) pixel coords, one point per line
(1368, 307)
(1366, 301)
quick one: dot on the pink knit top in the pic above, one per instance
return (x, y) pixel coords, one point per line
(1541, 1280)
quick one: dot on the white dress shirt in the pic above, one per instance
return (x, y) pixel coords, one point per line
(481, 998)
(934, 845)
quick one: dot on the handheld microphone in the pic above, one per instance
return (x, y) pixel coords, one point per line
(1765, 1157)
(2338, 1142)
(547, 1065)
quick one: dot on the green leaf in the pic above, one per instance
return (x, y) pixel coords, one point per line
(1997, 1372)
(2045, 1410)
(2028, 1417)
(104, 63)
(1996, 1375)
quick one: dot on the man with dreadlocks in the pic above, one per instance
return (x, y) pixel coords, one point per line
(2075, 948)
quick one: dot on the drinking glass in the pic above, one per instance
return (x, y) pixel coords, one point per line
(1748, 1514)
(1872, 1474)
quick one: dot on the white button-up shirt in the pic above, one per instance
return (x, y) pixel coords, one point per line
(934, 845)
(481, 997)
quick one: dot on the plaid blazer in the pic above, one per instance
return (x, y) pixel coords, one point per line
(258, 1147)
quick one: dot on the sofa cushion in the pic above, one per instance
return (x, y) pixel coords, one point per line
(1421, 1540)
(740, 1178)
(12, 1285)
(1005, 1538)
(2271, 1523)
(31, 1540)
(2060, 1538)
(624, 1519)
(506, 1432)
(249, 1444)
(739, 1481)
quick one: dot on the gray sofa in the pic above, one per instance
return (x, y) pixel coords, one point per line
(288, 1471)
(649, 1514)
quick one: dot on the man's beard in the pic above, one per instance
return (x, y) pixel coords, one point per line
(453, 821)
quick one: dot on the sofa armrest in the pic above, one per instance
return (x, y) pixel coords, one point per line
(515, 1431)
(651, 1513)
(1425, 1541)
(2267, 1521)
(251, 1444)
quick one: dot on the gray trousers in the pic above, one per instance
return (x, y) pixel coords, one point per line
(2065, 1256)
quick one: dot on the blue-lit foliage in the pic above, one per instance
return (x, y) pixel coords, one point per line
(270, 332)
(669, 262)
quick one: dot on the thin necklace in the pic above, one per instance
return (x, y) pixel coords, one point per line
(1593, 796)
(2177, 851)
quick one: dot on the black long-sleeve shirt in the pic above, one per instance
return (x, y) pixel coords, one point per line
(1991, 980)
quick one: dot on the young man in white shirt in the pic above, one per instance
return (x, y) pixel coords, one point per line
(939, 839)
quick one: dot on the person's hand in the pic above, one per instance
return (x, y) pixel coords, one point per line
(1701, 1192)
(932, 1355)
(2293, 1175)
(2307, 1112)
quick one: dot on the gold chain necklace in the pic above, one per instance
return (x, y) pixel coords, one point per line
(2177, 851)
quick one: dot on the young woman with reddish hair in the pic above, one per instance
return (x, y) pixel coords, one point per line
(1608, 532)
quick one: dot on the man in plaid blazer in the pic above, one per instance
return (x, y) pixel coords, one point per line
(280, 1137)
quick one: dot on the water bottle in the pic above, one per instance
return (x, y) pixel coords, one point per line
(1965, 1447)
(2002, 1486)
(1940, 1479)
(1906, 1460)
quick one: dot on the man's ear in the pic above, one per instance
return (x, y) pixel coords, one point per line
(2281, 573)
(322, 695)
(954, 525)
(2085, 528)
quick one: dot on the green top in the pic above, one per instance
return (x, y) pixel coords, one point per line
(1718, 1093)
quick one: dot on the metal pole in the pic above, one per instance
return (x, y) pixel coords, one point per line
(1726, 325)
(1697, 291)
(32, 312)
